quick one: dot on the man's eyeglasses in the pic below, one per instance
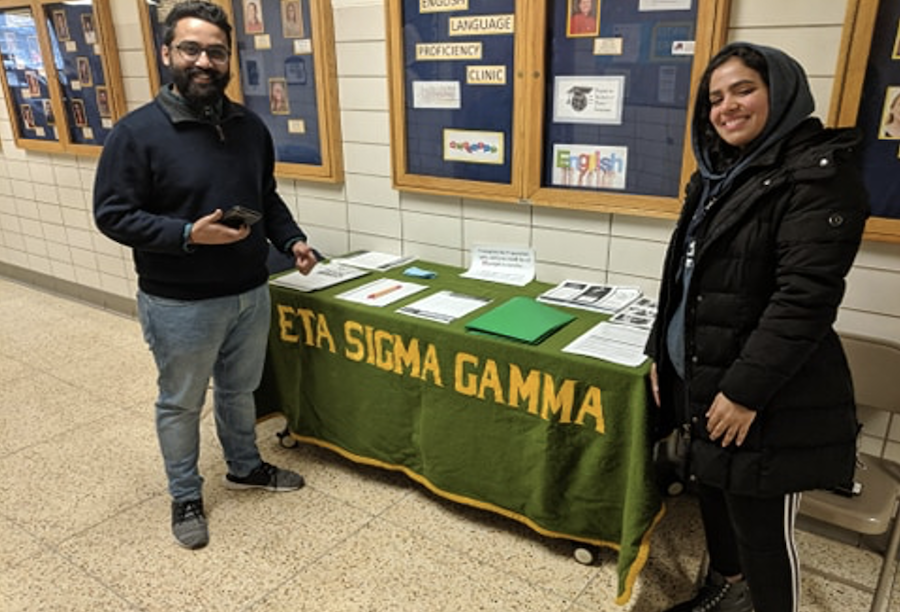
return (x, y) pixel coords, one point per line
(191, 51)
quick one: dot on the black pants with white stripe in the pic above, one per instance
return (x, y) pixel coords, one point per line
(754, 537)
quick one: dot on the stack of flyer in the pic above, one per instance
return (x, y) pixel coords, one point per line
(622, 338)
(606, 299)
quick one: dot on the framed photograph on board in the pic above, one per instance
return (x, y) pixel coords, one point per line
(890, 122)
(253, 17)
(291, 19)
(584, 18)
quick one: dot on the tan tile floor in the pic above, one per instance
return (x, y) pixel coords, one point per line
(84, 513)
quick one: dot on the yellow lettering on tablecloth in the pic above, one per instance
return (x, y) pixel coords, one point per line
(467, 384)
(286, 324)
(386, 350)
(592, 405)
(490, 379)
(355, 350)
(529, 388)
(472, 379)
(311, 337)
(473, 376)
(560, 403)
(384, 358)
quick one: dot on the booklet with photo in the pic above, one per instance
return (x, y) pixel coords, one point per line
(597, 297)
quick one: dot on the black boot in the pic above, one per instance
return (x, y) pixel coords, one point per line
(718, 595)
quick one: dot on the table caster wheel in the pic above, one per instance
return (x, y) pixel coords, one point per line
(585, 555)
(285, 439)
(675, 488)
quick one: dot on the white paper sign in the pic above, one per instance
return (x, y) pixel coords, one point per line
(436, 94)
(509, 266)
(586, 99)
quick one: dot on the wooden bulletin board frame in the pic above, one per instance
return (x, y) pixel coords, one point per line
(68, 105)
(275, 56)
(868, 76)
(416, 34)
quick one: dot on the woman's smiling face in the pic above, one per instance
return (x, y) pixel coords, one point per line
(739, 103)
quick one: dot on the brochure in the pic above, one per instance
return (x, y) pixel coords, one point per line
(622, 338)
(620, 344)
(640, 313)
(444, 306)
(596, 297)
(325, 274)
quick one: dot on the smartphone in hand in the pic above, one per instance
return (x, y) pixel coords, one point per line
(236, 216)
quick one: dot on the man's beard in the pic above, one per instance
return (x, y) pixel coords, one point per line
(200, 93)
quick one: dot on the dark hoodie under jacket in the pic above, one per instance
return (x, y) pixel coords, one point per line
(771, 258)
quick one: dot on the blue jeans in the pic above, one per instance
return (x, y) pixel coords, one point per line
(223, 338)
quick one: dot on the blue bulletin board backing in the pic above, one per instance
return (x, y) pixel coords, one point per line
(881, 145)
(617, 96)
(79, 65)
(459, 108)
(274, 56)
(26, 75)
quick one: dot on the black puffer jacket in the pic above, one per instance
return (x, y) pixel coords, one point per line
(767, 283)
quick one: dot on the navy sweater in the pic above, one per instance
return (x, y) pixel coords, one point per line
(163, 167)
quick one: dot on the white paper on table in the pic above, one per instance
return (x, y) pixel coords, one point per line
(444, 306)
(620, 344)
(373, 260)
(591, 296)
(640, 313)
(325, 274)
(381, 292)
(509, 266)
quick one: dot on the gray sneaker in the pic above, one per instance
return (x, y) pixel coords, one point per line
(189, 523)
(267, 477)
(718, 595)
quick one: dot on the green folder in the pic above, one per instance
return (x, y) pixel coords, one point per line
(521, 319)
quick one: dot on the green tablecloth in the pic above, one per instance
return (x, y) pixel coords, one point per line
(556, 441)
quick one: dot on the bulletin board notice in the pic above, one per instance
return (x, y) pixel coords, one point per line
(459, 89)
(617, 95)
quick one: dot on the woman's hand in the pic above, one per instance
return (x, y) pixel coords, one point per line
(654, 383)
(728, 420)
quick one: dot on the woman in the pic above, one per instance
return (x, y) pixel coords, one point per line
(745, 357)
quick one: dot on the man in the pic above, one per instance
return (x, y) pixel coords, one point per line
(167, 171)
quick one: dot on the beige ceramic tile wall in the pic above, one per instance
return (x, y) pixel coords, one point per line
(46, 229)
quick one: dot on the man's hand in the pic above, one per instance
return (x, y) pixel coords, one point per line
(208, 230)
(304, 257)
(728, 420)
